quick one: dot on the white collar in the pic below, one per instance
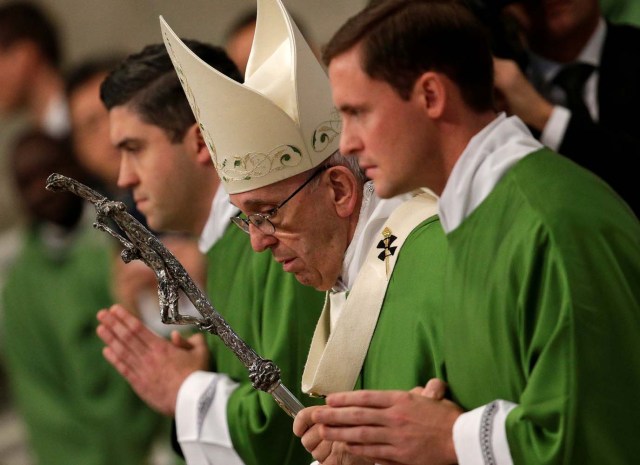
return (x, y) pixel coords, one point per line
(219, 219)
(488, 155)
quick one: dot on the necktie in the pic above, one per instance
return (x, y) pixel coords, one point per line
(571, 79)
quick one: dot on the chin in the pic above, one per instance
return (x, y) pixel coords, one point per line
(306, 280)
(385, 191)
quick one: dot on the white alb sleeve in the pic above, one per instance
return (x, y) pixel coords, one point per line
(201, 419)
(480, 437)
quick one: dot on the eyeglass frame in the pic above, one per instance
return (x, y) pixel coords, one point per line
(243, 223)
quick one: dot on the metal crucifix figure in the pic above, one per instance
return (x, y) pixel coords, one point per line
(141, 244)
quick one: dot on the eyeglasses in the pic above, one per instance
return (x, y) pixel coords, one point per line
(262, 220)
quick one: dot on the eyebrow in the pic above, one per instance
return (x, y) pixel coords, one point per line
(347, 107)
(128, 140)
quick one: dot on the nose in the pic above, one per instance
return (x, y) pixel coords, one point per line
(350, 142)
(261, 241)
(127, 176)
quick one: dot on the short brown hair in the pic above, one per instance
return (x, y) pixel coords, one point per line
(401, 39)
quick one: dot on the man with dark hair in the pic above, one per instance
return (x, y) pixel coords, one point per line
(219, 416)
(30, 60)
(541, 298)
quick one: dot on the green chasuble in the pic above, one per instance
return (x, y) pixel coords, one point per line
(404, 350)
(543, 310)
(76, 406)
(275, 315)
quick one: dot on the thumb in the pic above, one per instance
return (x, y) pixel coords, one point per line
(435, 389)
(179, 341)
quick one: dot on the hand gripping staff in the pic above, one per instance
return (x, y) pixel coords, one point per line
(141, 244)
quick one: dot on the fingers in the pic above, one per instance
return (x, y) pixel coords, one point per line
(309, 433)
(435, 389)
(364, 398)
(302, 421)
(129, 342)
(383, 453)
(124, 332)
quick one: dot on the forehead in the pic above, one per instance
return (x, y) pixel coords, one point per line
(87, 94)
(349, 83)
(126, 124)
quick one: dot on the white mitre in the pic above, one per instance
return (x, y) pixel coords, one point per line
(279, 123)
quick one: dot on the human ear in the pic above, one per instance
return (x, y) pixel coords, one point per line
(199, 145)
(344, 188)
(431, 91)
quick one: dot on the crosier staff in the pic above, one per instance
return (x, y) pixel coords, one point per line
(141, 244)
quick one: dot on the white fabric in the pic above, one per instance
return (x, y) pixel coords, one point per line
(56, 121)
(467, 433)
(201, 419)
(338, 349)
(219, 219)
(489, 154)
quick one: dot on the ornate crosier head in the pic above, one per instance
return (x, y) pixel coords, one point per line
(281, 122)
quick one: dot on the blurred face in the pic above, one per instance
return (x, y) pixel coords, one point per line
(33, 162)
(90, 132)
(389, 135)
(158, 172)
(239, 46)
(550, 21)
(13, 78)
(310, 238)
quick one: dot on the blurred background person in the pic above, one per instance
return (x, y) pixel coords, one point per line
(77, 409)
(578, 90)
(239, 38)
(31, 93)
(30, 59)
(90, 122)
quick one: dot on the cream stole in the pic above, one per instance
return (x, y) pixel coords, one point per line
(337, 354)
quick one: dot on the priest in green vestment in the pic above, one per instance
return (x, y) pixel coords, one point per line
(539, 331)
(75, 407)
(220, 418)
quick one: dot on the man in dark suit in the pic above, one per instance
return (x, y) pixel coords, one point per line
(588, 118)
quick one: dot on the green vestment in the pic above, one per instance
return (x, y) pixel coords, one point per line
(76, 406)
(543, 310)
(275, 315)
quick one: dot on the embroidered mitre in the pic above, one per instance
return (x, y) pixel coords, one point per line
(279, 123)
